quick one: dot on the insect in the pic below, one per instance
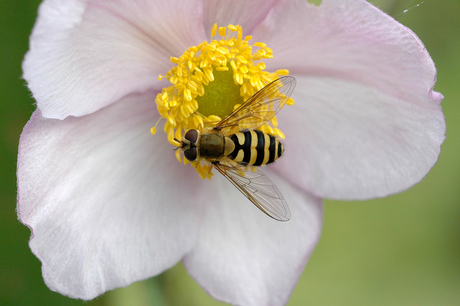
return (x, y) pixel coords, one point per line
(234, 146)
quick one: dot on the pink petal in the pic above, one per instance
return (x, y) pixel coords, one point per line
(243, 257)
(350, 40)
(100, 194)
(367, 122)
(349, 141)
(85, 55)
(248, 14)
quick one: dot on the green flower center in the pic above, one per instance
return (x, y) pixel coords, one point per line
(222, 95)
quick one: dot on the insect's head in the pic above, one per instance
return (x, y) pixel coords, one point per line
(188, 145)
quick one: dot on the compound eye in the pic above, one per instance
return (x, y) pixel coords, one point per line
(190, 154)
(191, 135)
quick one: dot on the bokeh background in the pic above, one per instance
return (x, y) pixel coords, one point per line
(401, 250)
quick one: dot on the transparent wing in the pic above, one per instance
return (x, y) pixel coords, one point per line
(258, 188)
(261, 107)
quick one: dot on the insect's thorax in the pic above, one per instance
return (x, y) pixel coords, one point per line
(211, 146)
(254, 148)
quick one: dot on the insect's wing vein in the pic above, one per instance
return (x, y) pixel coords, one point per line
(261, 107)
(258, 188)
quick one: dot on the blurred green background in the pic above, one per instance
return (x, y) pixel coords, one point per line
(401, 250)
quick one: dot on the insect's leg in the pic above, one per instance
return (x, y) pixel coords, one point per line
(232, 163)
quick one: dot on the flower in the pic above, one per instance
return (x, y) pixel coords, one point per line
(107, 202)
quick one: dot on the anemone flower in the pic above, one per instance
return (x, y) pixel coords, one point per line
(108, 203)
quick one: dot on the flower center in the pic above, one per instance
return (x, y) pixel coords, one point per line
(209, 81)
(221, 96)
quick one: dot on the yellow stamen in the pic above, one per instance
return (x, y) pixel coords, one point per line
(210, 80)
(222, 30)
(282, 72)
(178, 156)
(153, 130)
(213, 31)
(279, 133)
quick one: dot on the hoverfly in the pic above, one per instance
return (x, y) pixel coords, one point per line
(234, 146)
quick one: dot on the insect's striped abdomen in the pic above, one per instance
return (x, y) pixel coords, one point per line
(255, 148)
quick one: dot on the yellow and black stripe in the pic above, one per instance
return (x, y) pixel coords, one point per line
(255, 148)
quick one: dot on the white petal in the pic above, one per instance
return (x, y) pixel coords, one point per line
(350, 40)
(85, 55)
(367, 122)
(247, 14)
(100, 194)
(245, 258)
(349, 141)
